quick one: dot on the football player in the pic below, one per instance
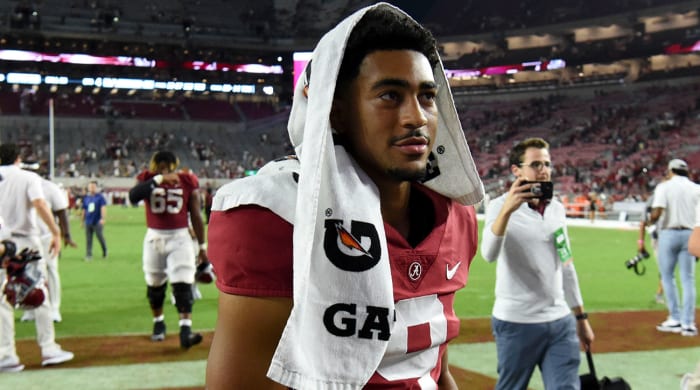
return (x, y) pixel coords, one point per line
(168, 255)
(382, 112)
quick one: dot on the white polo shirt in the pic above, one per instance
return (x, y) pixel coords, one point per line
(56, 198)
(4, 230)
(18, 188)
(678, 197)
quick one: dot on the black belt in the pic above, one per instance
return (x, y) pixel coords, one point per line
(679, 228)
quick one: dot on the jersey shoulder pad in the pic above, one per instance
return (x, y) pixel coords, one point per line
(274, 188)
(189, 179)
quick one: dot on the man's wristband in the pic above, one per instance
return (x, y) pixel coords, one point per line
(581, 316)
(203, 246)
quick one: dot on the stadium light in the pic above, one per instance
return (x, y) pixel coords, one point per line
(60, 80)
(24, 78)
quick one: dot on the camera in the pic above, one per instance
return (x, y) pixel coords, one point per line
(541, 189)
(633, 262)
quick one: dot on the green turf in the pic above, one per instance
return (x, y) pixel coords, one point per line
(599, 257)
(109, 296)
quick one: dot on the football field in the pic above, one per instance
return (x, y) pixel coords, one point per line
(106, 318)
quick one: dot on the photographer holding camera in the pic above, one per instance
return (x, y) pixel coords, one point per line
(674, 208)
(642, 252)
(691, 381)
(536, 283)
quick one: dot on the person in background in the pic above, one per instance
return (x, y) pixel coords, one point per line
(339, 267)
(208, 198)
(641, 248)
(94, 217)
(674, 210)
(57, 199)
(691, 381)
(22, 201)
(172, 202)
(538, 317)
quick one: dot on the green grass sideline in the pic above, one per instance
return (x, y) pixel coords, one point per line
(108, 297)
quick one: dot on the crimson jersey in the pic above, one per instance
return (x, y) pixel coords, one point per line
(168, 205)
(251, 250)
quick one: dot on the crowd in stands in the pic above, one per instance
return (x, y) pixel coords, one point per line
(153, 105)
(613, 142)
(125, 157)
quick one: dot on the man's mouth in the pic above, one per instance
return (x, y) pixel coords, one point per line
(412, 145)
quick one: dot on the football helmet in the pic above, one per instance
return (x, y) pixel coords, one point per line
(205, 273)
(24, 287)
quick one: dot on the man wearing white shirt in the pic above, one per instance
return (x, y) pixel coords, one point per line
(538, 318)
(674, 208)
(57, 200)
(22, 199)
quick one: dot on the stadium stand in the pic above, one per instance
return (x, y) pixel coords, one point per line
(620, 107)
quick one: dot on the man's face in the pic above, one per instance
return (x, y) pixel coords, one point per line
(92, 188)
(388, 117)
(164, 168)
(534, 166)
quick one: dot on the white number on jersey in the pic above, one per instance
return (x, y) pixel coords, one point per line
(166, 200)
(420, 321)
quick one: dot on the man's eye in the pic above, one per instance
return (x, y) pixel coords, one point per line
(429, 95)
(390, 95)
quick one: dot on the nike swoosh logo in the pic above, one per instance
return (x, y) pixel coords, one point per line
(452, 271)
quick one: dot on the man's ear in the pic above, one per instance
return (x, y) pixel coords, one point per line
(515, 170)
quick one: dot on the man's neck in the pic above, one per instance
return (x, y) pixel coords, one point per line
(394, 200)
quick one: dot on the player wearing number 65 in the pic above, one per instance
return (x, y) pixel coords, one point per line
(170, 197)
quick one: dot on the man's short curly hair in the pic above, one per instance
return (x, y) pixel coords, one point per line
(384, 28)
(163, 156)
(518, 151)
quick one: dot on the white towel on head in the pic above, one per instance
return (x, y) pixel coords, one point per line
(341, 263)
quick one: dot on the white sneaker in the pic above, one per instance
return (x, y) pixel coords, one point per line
(689, 331)
(10, 364)
(670, 326)
(27, 316)
(57, 357)
(685, 379)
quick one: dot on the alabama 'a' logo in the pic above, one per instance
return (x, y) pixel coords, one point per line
(356, 250)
